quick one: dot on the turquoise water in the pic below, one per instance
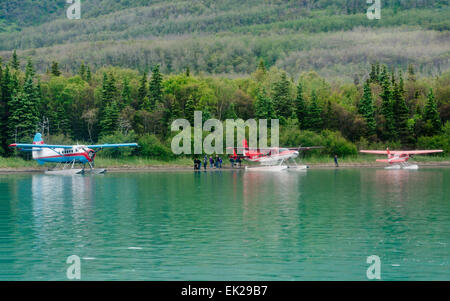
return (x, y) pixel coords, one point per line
(228, 225)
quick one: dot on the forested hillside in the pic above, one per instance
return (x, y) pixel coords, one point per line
(394, 108)
(334, 38)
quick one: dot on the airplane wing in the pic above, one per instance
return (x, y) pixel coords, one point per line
(377, 152)
(305, 147)
(417, 152)
(414, 152)
(25, 146)
(112, 145)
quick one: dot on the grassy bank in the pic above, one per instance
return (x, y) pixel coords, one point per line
(140, 162)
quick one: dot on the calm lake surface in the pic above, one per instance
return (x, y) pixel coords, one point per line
(227, 225)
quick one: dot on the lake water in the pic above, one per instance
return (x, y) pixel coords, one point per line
(227, 225)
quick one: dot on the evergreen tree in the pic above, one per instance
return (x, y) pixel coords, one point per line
(29, 70)
(401, 117)
(301, 109)
(15, 64)
(142, 91)
(5, 99)
(82, 71)
(262, 66)
(383, 75)
(55, 69)
(387, 110)
(126, 93)
(433, 124)
(23, 116)
(373, 74)
(155, 88)
(366, 109)
(264, 108)
(88, 74)
(314, 119)
(189, 109)
(281, 98)
(109, 123)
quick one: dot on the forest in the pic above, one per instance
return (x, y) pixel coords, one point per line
(388, 107)
(334, 38)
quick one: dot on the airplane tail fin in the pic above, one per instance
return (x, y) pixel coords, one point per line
(245, 145)
(38, 139)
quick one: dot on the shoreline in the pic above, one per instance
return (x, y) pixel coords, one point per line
(172, 168)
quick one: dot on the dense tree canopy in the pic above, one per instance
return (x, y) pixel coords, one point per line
(122, 104)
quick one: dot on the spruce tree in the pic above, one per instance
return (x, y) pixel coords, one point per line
(55, 69)
(387, 110)
(401, 117)
(189, 109)
(29, 70)
(15, 64)
(366, 109)
(155, 88)
(109, 123)
(264, 107)
(88, 74)
(126, 93)
(314, 118)
(82, 71)
(301, 109)
(23, 116)
(142, 91)
(433, 124)
(373, 74)
(281, 97)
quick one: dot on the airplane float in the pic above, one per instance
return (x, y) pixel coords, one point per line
(272, 158)
(67, 155)
(400, 157)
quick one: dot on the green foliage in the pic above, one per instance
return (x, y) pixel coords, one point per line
(366, 108)
(432, 120)
(106, 108)
(117, 137)
(313, 119)
(151, 146)
(155, 87)
(55, 69)
(300, 106)
(264, 108)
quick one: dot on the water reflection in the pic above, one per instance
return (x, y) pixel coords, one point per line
(315, 225)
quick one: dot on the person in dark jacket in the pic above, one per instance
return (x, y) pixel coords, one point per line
(336, 161)
(205, 161)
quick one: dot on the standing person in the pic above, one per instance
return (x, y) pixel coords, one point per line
(336, 161)
(232, 162)
(217, 161)
(211, 162)
(195, 164)
(239, 161)
(220, 162)
(205, 161)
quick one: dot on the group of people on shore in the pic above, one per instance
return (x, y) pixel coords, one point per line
(215, 162)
